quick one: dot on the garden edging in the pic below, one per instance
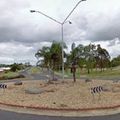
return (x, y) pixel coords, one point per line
(67, 111)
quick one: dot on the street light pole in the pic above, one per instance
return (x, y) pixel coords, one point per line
(62, 51)
(62, 24)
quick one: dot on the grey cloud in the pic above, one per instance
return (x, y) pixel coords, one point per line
(27, 35)
(108, 33)
(103, 27)
(111, 43)
(18, 27)
(114, 42)
(13, 51)
(81, 22)
(98, 26)
(6, 5)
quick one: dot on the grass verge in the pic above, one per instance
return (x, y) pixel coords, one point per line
(10, 75)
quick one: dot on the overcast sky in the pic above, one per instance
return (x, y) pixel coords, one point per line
(22, 33)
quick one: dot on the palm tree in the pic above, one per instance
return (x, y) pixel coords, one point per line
(44, 54)
(52, 56)
(76, 52)
(56, 51)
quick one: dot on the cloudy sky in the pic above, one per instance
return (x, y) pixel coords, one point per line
(22, 33)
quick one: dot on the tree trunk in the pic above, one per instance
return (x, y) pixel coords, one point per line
(74, 77)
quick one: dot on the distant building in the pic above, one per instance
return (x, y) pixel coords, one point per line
(2, 69)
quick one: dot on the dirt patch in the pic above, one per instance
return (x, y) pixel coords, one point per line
(62, 94)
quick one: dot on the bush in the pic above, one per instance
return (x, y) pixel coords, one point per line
(15, 67)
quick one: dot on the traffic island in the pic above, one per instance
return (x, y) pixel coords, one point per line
(63, 97)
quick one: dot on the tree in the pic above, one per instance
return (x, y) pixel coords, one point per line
(89, 53)
(102, 57)
(15, 67)
(45, 54)
(115, 61)
(56, 50)
(73, 46)
(76, 52)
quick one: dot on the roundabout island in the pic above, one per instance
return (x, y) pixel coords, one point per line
(62, 98)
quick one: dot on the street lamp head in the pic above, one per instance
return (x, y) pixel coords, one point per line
(32, 11)
(83, 0)
(70, 22)
(67, 22)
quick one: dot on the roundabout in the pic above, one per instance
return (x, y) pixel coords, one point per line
(58, 98)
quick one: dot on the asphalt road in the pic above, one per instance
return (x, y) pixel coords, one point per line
(38, 76)
(5, 115)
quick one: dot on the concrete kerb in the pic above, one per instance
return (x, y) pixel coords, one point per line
(96, 111)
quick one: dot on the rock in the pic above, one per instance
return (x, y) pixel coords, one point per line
(54, 79)
(18, 83)
(34, 91)
(115, 81)
(88, 80)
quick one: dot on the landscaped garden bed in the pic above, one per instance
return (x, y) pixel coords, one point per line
(59, 94)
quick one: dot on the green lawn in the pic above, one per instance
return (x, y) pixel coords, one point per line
(106, 74)
(10, 75)
(34, 70)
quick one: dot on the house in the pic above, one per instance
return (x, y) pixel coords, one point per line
(2, 69)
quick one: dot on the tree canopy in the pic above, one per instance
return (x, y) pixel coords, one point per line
(89, 56)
